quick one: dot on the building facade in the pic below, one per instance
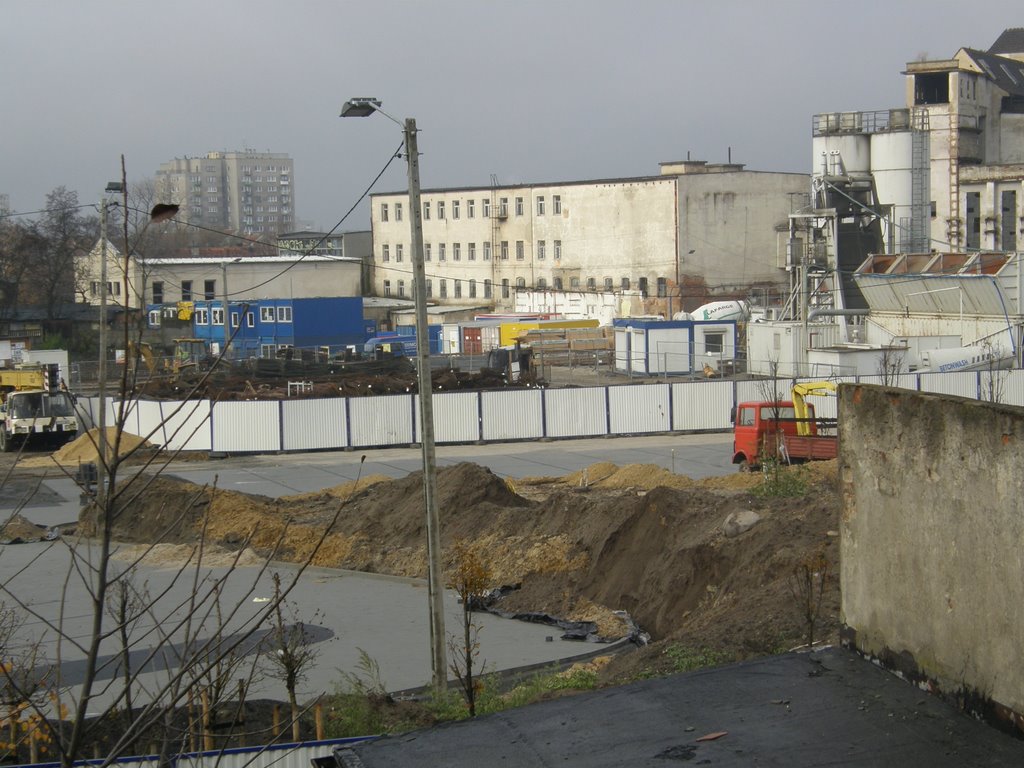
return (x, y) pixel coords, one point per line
(695, 231)
(247, 191)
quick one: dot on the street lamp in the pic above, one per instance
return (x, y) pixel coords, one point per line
(364, 107)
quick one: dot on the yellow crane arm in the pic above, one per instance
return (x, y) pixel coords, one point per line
(800, 394)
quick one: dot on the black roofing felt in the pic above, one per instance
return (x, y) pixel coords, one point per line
(1007, 73)
(1010, 41)
(827, 708)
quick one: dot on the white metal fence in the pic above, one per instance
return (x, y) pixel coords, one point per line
(491, 416)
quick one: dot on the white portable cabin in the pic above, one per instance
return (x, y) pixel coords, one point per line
(672, 347)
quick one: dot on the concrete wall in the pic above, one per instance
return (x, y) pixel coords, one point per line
(933, 539)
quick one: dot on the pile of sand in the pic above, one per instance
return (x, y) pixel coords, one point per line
(180, 555)
(18, 528)
(83, 449)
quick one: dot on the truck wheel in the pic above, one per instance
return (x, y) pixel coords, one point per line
(744, 467)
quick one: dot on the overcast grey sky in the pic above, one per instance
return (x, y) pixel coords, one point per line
(531, 90)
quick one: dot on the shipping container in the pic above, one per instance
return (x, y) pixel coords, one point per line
(510, 331)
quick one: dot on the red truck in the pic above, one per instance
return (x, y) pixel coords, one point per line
(787, 430)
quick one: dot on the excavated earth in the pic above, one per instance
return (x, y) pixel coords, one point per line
(637, 539)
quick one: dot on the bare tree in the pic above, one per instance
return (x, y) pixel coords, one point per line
(65, 231)
(891, 365)
(993, 377)
(470, 576)
(290, 651)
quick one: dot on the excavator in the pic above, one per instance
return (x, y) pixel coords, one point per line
(33, 407)
(188, 354)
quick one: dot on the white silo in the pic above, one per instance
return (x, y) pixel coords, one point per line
(891, 165)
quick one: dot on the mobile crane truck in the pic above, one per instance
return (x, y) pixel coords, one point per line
(33, 408)
(786, 429)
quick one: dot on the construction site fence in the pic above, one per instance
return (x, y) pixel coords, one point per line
(655, 407)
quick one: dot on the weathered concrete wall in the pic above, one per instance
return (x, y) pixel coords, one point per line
(933, 538)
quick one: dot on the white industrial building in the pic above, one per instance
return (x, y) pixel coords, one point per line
(916, 215)
(695, 232)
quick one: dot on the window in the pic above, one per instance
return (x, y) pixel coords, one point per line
(625, 283)
(504, 250)
(387, 287)
(472, 289)
(520, 251)
(485, 209)
(641, 285)
(471, 253)
(234, 319)
(713, 343)
(154, 318)
(574, 283)
(266, 314)
(383, 211)
(540, 205)
(458, 289)
(158, 292)
(487, 250)
(470, 209)
(662, 287)
(426, 252)
(217, 315)
(1008, 225)
(401, 287)
(398, 211)
(440, 209)
(444, 289)
(440, 252)
(520, 282)
(284, 314)
(456, 251)
(609, 284)
(558, 249)
(209, 289)
(426, 210)
(202, 317)
(541, 249)
(398, 252)
(556, 203)
(455, 209)
(504, 288)
(385, 253)
(186, 290)
(542, 284)
(591, 284)
(503, 207)
(250, 320)
(487, 289)
(267, 350)
(429, 285)
(558, 283)
(519, 206)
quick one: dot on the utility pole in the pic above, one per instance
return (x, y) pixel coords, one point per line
(101, 371)
(227, 318)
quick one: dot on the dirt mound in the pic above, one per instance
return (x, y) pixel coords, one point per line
(82, 450)
(18, 528)
(634, 538)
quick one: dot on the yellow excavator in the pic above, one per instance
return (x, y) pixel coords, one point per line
(804, 421)
(188, 354)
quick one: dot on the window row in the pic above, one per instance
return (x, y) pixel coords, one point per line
(215, 316)
(557, 284)
(541, 251)
(441, 209)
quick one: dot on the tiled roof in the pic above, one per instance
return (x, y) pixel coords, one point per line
(1010, 41)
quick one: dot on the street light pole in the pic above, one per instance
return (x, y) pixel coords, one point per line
(101, 371)
(435, 587)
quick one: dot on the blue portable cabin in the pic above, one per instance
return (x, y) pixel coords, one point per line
(262, 327)
(433, 333)
(673, 347)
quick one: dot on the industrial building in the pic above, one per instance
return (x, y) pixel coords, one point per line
(916, 215)
(696, 231)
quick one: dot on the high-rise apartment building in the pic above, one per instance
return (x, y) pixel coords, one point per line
(250, 192)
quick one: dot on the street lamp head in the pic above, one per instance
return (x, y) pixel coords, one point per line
(360, 106)
(114, 186)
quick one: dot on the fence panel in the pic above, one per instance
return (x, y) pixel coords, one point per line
(150, 421)
(381, 421)
(456, 417)
(187, 425)
(246, 427)
(763, 389)
(701, 405)
(962, 383)
(639, 409)
(575, 412)
(512, 414)
(313, 424)
(1010, 386)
